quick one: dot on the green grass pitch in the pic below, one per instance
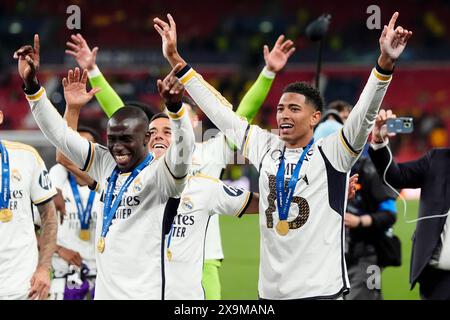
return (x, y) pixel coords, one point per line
(239, 271)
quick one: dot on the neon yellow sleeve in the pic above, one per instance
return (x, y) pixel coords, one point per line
(255, 96)
(108, 99)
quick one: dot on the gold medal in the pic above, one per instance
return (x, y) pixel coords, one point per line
(5, 215)
(101, 245)
(169, 255)
(85, 234)
(282, 227)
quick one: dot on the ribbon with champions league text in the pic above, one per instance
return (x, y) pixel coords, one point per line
(284, 198)
(109, 211)
(5, 213)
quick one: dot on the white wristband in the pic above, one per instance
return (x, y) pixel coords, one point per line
(94, 72)
(377, 146)
(267, 73)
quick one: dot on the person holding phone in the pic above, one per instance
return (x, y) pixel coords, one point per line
(430, 256)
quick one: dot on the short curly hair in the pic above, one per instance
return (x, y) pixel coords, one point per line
(311, 94)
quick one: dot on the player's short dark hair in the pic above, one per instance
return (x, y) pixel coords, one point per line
(159, 115)
(340, 105)
(148, 109)
(91, 131)
(311, 94)
(131, 112)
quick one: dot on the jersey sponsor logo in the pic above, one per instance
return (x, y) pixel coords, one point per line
(125, 206)
(302, 204)
(232, 191)
(16, 194)
(44, 180)
(180, 224)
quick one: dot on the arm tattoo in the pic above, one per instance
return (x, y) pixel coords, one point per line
(47, 212)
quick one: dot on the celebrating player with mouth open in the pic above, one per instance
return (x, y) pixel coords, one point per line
(302, 182)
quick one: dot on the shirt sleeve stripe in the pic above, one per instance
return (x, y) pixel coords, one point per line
(44, 200)
(248, 132)
(347, 145)
(185, 78)
(90, 158)
(381, 76)
(36, 96)
(241, 212)
(178, 115)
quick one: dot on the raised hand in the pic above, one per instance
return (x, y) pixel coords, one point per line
(40, 284)
(392, 43)
(168, 33)
(379, 131)
(352, 186)
(171, 89)
(277, 58)
(28, 63)
(75, 89)
(80, 50)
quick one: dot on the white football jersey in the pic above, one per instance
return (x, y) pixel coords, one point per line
(308, 262)
(29, 184)
(69, 231)
(130, 266)
(211, 158)
(187, 236)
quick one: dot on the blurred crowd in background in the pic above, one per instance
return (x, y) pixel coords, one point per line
(224, 40)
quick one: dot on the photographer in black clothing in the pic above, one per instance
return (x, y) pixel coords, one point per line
(369, 218)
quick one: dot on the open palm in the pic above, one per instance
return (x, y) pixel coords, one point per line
(75, 89)
(277, 58)
(168, 33)
(80, 50)
(393, 41)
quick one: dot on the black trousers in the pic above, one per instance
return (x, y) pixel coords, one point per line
(434, 284)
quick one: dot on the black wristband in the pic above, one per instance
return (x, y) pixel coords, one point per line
(174, 108)
(382, 71)
(35, 87)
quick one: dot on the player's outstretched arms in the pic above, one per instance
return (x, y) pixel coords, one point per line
(108, 99)
(178, 157)
(55, 129)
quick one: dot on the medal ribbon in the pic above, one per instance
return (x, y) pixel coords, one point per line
(109, 211)
(84, 214)
(5, 196)
(284, 198)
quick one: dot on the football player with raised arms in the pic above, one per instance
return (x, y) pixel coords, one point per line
(135, 186)
(302, 182)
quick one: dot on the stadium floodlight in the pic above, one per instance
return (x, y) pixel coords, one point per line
(316, 31)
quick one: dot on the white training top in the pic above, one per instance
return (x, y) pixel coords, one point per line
(202, 198)
(29, 183)
(308, 262)
(130, 266)
(69, 231)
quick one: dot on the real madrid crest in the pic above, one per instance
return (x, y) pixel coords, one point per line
(187, 204)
